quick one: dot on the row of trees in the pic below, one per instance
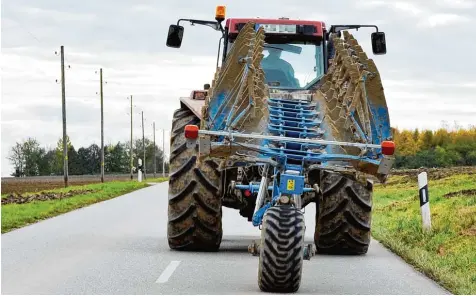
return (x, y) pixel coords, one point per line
(30, 159)
(440, 148)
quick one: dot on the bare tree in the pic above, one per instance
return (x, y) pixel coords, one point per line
(17, 158)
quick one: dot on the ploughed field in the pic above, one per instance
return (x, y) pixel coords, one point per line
(40, 183)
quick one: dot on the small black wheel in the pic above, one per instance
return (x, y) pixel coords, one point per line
(281, 250)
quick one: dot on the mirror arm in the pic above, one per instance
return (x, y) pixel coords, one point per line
(205, 23)
(222, 30)
(219, 47)
(336, 28)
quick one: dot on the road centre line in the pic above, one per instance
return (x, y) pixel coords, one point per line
(169, 270)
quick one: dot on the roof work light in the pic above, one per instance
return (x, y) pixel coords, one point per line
(220, 13)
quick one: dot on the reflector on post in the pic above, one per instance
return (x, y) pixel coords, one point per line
(191, 131)
(388, 147)
(220, 13)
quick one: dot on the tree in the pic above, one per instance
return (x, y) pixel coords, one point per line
(59, 164)
(406, 144)
(88, 160)
(46, 163)
(446, 158)
(116, 158)
(441, 138)
(17, 159)
(26, 157)
(83, 159)
(32, 155)
(425, 140)
(471, 158)
(416, 134)
(149, 155)
(74, 167)
(119, 161)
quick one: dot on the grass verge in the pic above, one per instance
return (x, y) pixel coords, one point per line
(18, 215)
(156, 180)
(447, 253)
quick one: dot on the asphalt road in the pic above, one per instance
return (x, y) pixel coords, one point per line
(119, 247)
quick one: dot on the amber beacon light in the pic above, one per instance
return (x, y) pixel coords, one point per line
(220, 13)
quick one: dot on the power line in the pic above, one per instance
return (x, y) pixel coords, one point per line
(24, 27)
(31, 35)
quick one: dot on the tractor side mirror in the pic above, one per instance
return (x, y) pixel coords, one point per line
(174, 38)
(379, 45)
(206, 86)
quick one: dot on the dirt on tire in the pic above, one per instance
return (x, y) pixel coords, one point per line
(194, 205)
(281, 250)
(344, 216)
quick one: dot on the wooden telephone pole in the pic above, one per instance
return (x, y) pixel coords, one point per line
(132, 163)
(155, 153)
(63, 100)
(102, 128)
(143, 145)
(163, 153)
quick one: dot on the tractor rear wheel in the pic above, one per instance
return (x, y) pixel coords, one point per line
(344, 215)
(281, 250)
(194, 204)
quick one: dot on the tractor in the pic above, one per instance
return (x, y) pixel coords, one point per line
(294, 115)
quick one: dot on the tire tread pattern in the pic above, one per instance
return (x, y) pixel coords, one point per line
(344, 220)
(281, 250)
(194, 206)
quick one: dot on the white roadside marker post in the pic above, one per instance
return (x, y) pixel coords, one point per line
(139, 170)
(424, 200)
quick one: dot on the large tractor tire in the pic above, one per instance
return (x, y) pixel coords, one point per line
(343, 216)
(194, 203)
(281, 250)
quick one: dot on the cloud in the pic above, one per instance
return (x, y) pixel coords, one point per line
(61, 16)
(422, 70)
(443, 19)
(408, 7)
(426, 14)
(456, 4)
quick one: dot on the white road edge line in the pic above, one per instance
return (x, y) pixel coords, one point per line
(169, 270)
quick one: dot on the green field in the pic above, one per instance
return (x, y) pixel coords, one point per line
(447, 253)
(15, 215)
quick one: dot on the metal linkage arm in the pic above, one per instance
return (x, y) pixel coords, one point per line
(290, 139)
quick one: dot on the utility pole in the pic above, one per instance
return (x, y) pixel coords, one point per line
(155, 154)
(132, 163)
(102, 128)
(143, 144)
(163, 153)
(65, 143)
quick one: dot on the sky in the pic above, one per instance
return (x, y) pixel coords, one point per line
(428, 72)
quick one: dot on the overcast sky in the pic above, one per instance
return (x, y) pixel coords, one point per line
(428, 72)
